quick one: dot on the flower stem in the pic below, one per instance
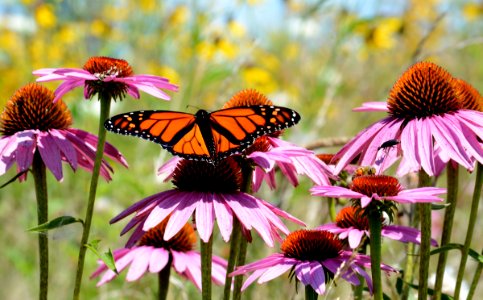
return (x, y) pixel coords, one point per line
(410, 256)
(310, 293)
(452, 182)
(471, 228)
(40, 179)
(105, 107)
(331, 206)
(163, 280)
(476, 280)
(425, 247)
(206, 256)
(375, 227)
(236, 237)
(242, 255)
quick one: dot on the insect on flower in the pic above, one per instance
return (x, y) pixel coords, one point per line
(204, 136)
(389, 144)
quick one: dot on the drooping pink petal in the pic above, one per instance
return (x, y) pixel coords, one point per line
(424, 195)
(252, 278)
(65, 147)
(205, 217)
(154, 91)
(140, 263)
(67, 86)
(181, 215)
(355, 236)
(358, 144)
(275, 271)
(302, 271)
(50, 154)
(167, 169)
(26, 145)
(365, 201)
(158, 260)
(263, 263)
(180, 261)
(163, 209)
(317, 278)
(391, 131)
(425, 143)
(404, 234)
(224, 217)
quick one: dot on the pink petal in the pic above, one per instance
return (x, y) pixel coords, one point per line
(67, 86)
(425, 149)
(140, 263)
(205, 217)
(255, 275)
(158, 260)
(372, 106)
(275, 271)
(334, 191)
(65, 147)
(355, 236)
(317, 278)
(269, 261)
(224, 217)
(302, 271)
(365, 201)
(181, 214)
(50, 154)
(26, 145)
(163, 209)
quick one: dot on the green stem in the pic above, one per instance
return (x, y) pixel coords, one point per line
(206, 256)
(310, 293)
(411, 255)
(105, 107)
(242, 255)
(163, 280)
(471, 228)
(236, 237)
(359, 289)
(375, 227)
(452, 182)
(425, 214)
(476, 280)
(40, 179)
(331, 206)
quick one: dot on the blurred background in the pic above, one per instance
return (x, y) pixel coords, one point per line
(321, 58)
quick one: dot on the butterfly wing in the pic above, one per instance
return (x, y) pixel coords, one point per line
(234, 129)
(177, 132)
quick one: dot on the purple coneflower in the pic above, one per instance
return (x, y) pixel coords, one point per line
(315, 257)
(208, 191)
(152, 253)
(109, 77)
(352, 225)
(368, 188)
(31, 123)
(427, 116)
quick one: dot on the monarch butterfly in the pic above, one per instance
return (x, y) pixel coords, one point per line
(204, 136)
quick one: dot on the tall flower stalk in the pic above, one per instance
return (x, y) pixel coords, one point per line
(105, 107)
(110, 79)
(40, 179)
(424, 257)
(471, 227)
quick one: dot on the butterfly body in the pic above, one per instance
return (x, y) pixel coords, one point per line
(204, 135)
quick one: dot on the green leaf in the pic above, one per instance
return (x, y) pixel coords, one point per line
(106, 257)
(13, 179)
(439, 206)
(430, 291)
(447, 247)
(56, 223)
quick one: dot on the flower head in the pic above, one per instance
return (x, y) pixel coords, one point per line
(153, 254)
(315, 257)
(208, 191)
(268, 151)
(369, 188)
(32, 123)
(106, 77)
(352, 225)
(428, 116)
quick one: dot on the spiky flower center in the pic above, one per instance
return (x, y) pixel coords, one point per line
(32, 107)
(183, 241)
(381, 185)
(468, 96)
(247, 97)
(103, 67)
(326, 158)
(352, 217)
(311, 245)
(199, 176)
(424, 90)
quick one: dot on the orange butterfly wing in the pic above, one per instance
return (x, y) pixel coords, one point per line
(235, 129)
(177, 132)
(204, 136)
